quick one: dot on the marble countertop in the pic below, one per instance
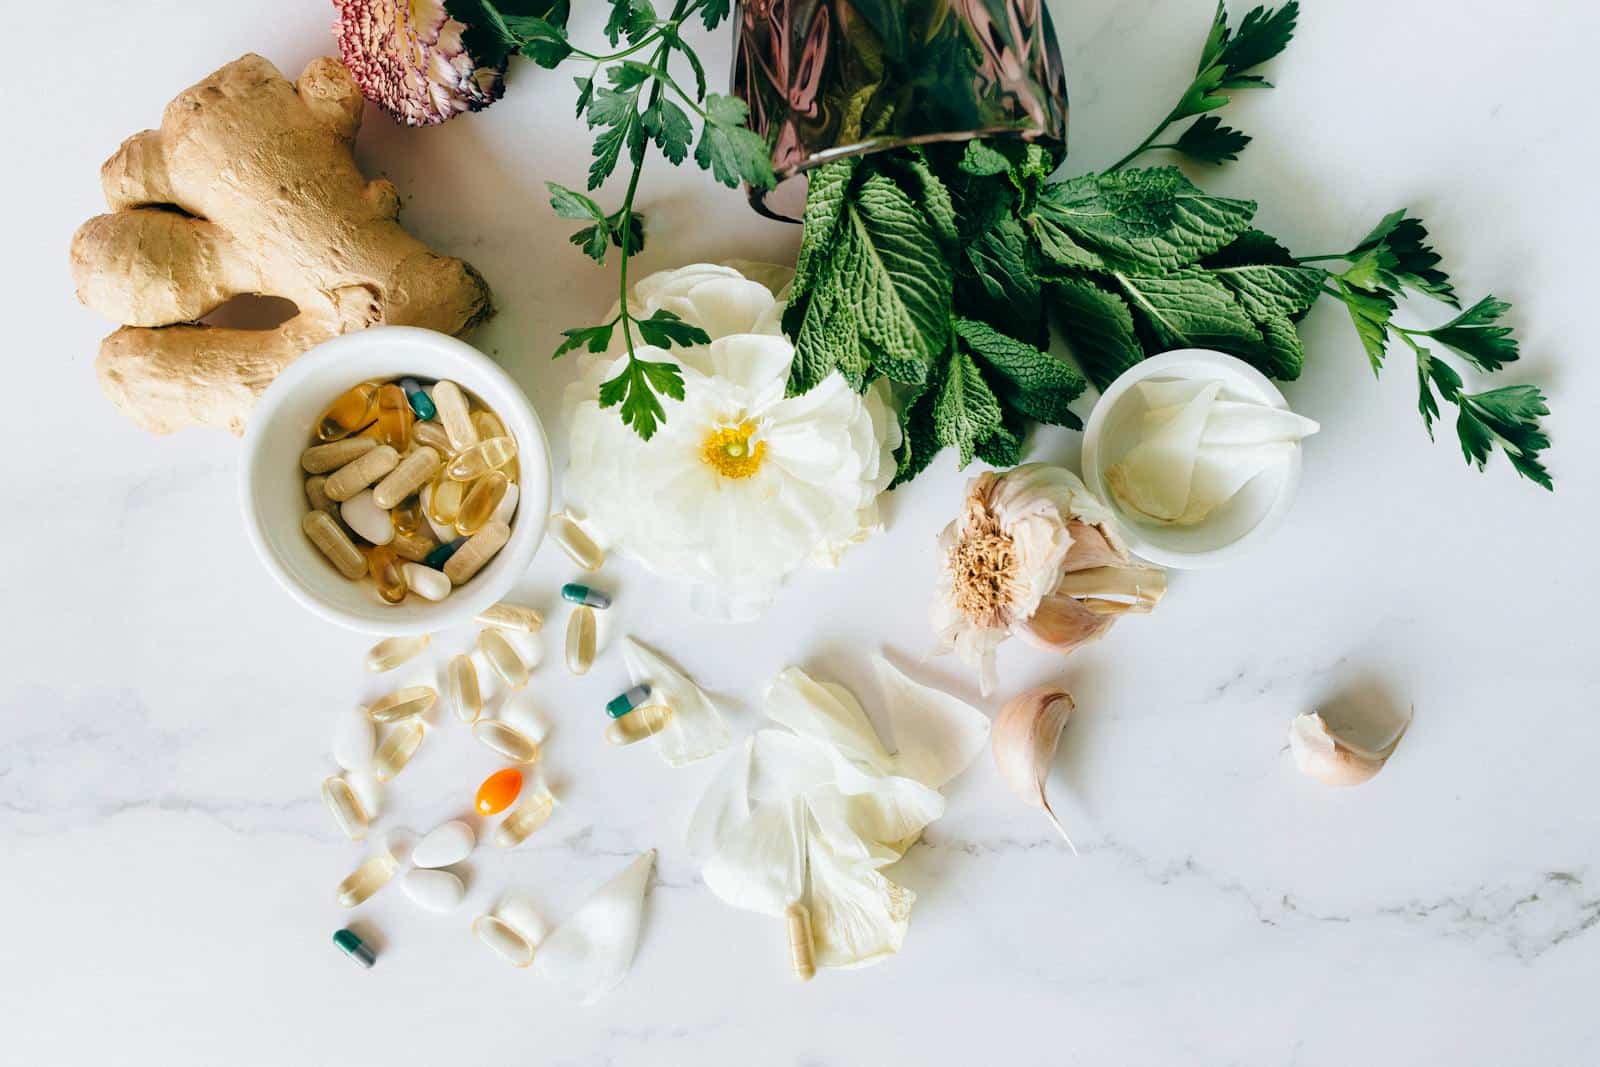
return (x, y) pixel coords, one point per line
(166, 868)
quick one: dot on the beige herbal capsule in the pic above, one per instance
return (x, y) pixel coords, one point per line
(580, 639)
(367, 879)
(578, 546)
(479, 549)
(639, 724)
(801, 951)
(524, 819)
(389, 653)
(334, 543)
(505, 940)
(509, 616)
(433, 435)
(503, 657)
(410, 475)
(454, 415)
(461, 686)
(316, 497)
(345, 807)
(400, 743)
(320, 459)
(355, 476)
(403, 703)
(415, 545)
(507, 740)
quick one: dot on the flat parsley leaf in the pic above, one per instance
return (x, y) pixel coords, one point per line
(1207, 140)
(730, 150)
(635, 388)
(1477, 335)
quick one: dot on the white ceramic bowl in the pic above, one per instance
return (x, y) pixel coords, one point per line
(273, 485)
(1230, 530)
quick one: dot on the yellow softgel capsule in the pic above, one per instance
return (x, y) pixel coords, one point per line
(454, 415)
(432, 435)
(488, 425)
(524, 819)
(408, 476)
(320, 459)
(394, 417)
(360, 472)
(507, 740)
(345, 807)
(580, 640)
(483, 497)
(482, 458)
(802, 953)
(383, 565)
(399, 744)
(331, 540)
(578, 546)
(389, 653)
(444, 500)
(639, 724)
(355, 409)
(503, 657)
(509, 616)
(403, 703)
(479, 550)
(406, 515)
(366, 879)
(462, 690)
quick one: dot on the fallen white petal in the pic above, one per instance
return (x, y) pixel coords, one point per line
(697, 729)
(936, 735)
(590, 953)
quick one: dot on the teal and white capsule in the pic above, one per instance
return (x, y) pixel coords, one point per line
(421, 403)
(622, 703)
(578, 593)
(354, 947)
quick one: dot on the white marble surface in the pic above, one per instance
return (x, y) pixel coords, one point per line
(166, 870)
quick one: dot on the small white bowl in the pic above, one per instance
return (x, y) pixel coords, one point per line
(1232, 529)
(273, 485)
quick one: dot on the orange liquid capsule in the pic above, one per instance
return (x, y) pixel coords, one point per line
(352, 411)
(394, 417)
(498, 791)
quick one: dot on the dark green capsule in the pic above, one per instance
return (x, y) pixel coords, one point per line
(354, 947)
(441, 555)
(421, 402)
(582, 594)
(622, 703)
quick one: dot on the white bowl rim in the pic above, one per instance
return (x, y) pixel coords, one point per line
(1153, 367)
(463, 604)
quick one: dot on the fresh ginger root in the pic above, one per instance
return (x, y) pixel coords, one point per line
(250, 186)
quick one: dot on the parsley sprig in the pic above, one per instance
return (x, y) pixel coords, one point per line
(631, 97)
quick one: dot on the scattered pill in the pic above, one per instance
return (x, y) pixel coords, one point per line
(360, 472)
(639, 724)
(394, 417)
(443, 553)
(481, 458)
(509, 616)
(344, 807)
(320, 459)
(355, 948)
(370, 522)
(384, 568)
(354, 740)
(801, 952)
(582, 594)
(503, 657)
(373, 874)
(316, 498)
(421, 403)
(507, 740)
(507, 508)
(414, 546)
(426, 582)
(399, 843)
(454, 415)
(368, 790)
(519, 913)
(389, 653)
(578, 546)
(432, 434)
(355, 409)
(580, 640)
(498, 791)
(524, 819)
(400, 743)
(437, 891)
(482, 500)
(410, 475)
(447, 843)
(403, 704)
(479, 549)
(462, 689)
(331, 540)
(507, 942)
(623, 703)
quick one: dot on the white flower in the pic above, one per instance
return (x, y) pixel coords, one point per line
(742, 484)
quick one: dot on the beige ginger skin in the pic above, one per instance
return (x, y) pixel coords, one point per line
(250, 186)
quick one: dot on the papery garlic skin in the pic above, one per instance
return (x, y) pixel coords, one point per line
(742, 485)
(1319, 754)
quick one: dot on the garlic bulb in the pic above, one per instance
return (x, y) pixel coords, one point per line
(1034, 554)
(1334, 760)
(1024, 740)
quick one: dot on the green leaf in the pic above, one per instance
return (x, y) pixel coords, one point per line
(1201, 96)
(629, 18)
(966, 411)
(668, 125)
(933, 196)
(919, 434)
(569, 204)
(1003, 448)
(1273, 291)
(1434, 373)
(1145, 219)
(1190, 309)
(585, 92)
(713, 12)
(595, 338)
(1411, 261)
(1263, 34)
(1510, 416)
(825, 197)
(730, 151)
(594, 240)
(487, 37)
(1098, 327)
(1034, 382)
(1251, 248)
(607, 150)
(1280, 354)
(635, 388)
(1478, 337)
(983, 160)
(1371, 313)
(1209, 141)
(998, 263)
(665, 329)
(545, 44)
(683, 49)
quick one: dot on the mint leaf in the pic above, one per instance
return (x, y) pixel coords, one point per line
(1251, 248)
(1190, 309)
(997, 263)
(730, 151)
(983, 160)
(1098, 327)
(1003, 448)
(1033, 382)
(1476, 335)
(966, 411)
(825, 197)
(635, 388)
(665, 329)
(1145, 219)
(1209, 141)
(920, 437)
(933, 197)
(1267, 291)
(1280, 354)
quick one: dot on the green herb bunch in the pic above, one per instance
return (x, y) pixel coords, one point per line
(631, 97)
(943, 269)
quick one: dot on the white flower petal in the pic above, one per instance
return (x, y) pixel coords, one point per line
(760, 864)
(858, 916)
(590, 953)
(696, 729)
(936, 736)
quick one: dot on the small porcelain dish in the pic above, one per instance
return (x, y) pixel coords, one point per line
(273, 485)
(1232, 529)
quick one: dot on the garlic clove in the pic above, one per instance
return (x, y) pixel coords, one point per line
(1091, 548)
(1024, 740)
(1334, 760)
(1141, 588)
(1062, 623)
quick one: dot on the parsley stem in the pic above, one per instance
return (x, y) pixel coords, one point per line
(1144, 146)
(1321, 259)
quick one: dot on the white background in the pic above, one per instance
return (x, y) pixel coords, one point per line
(166, 869)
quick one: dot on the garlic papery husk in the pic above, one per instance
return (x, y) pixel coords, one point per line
(1021, 534)
(1335, 760)
(1024, 740)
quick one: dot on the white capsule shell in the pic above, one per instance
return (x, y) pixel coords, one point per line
(426, 582)
(509, 943)
(434, 890)
(445, 844)
(363, 515)
(519, 913)
(507, 506)
(355, 738)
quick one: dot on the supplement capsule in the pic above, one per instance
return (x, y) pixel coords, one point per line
(366, 879)
(509, 616)
(413, 546)
(454, 416)
(320, 459)
(413, 472)
(461, 687)
(507, 740)
(479, 550)
(503, 657)
(354, 410)
(524, 819)
(427, 583)
(400, 743)
(334, 543)
(403, 703)
(316, 497)
(406, 515)
(482, 458)
(580, 640)
(443, 502)
(508, 504)
(355, 948)
(639, 724)
(432, 435)
(370, 522)
(394, 417)
(421, 403)
(498, 791)
(488, 425)
(801, 953)
(441, 555)
(622, 703)
(389, 653)
(384, 567)
(482, 500)
(356, 475)
(578, 546)
(582, 594)
(345, 808)
(504, 939)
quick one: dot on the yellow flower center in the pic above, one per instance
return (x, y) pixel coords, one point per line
(728, 450)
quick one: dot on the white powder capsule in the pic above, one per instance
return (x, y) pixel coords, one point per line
(363, 515)
(425, 581)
